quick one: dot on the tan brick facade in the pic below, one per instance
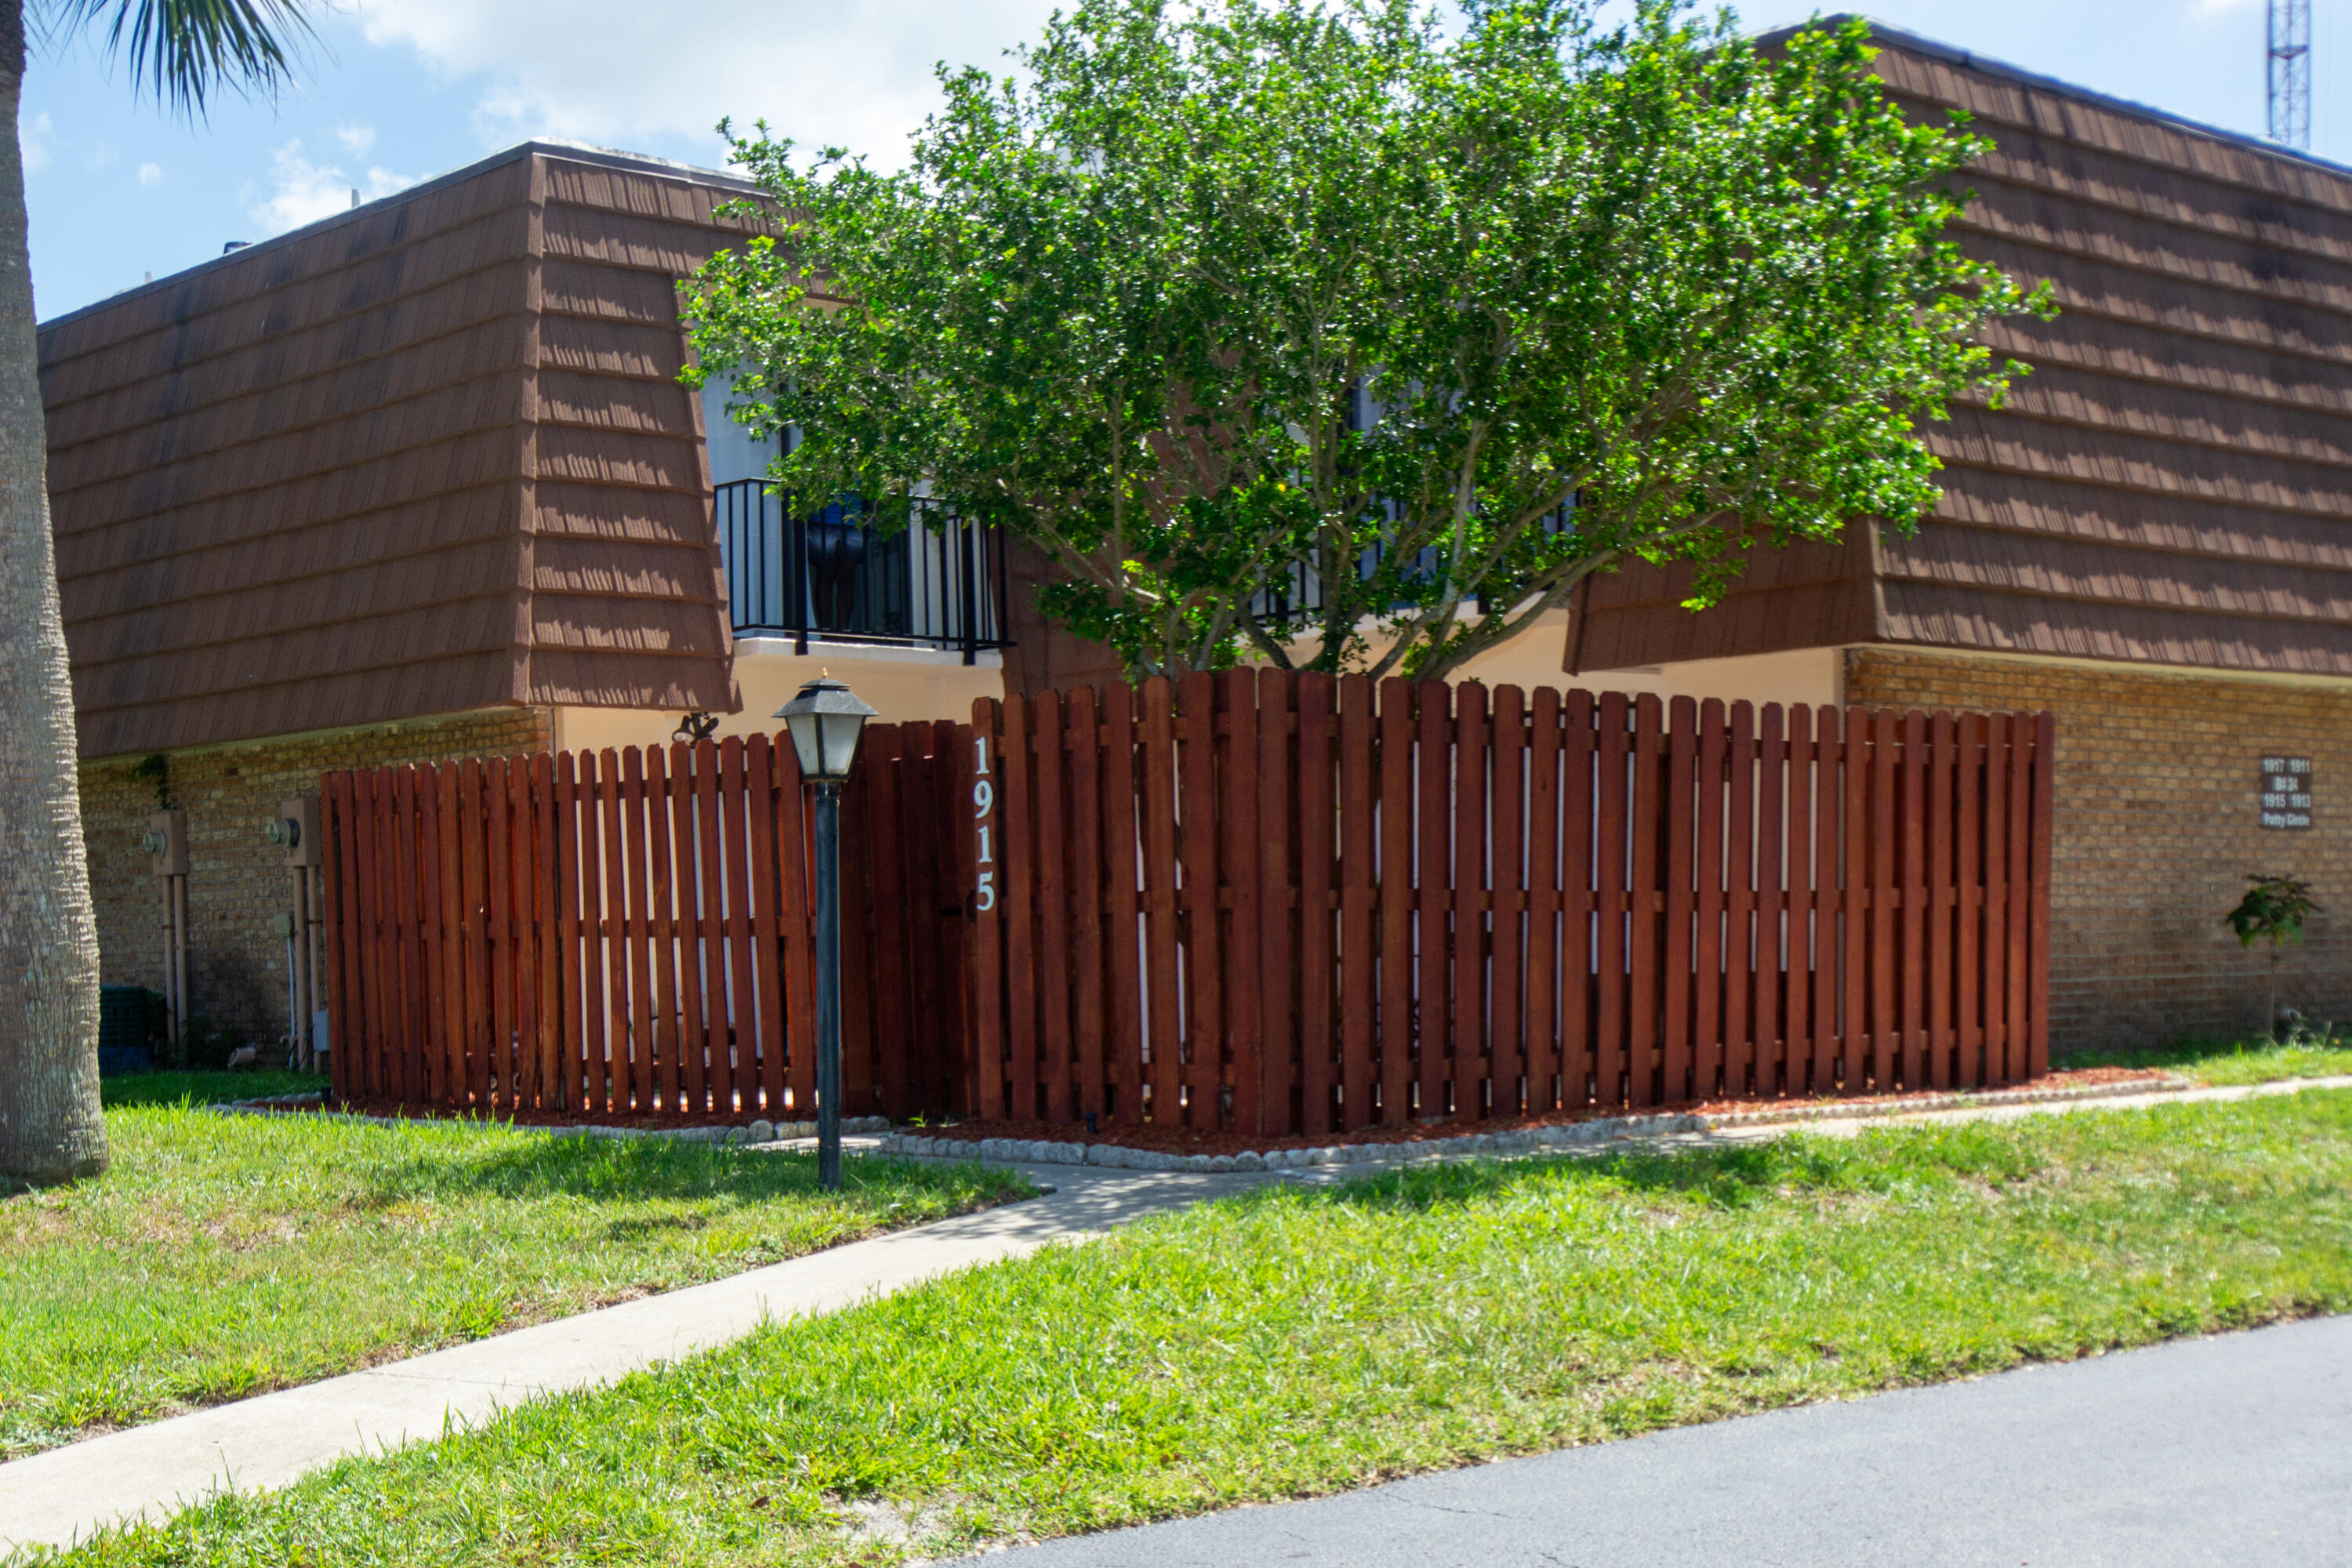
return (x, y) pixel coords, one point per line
(2157, 827)
(237, 884)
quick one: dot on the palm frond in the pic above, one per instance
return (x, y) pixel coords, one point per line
(183, 50)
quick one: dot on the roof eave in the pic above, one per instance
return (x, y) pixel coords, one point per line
(1971, 61)
(571, 152)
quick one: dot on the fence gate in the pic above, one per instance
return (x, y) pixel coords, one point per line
(630, 932)
(1295, 903)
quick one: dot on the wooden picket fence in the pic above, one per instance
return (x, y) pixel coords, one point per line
(1299, 904)
(629, 932)
(1271, 902)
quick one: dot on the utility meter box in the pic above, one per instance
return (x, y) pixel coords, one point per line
(295, 829)
(166, 843)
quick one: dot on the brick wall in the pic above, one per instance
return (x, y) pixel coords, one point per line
(238, 885)
(2156, 830)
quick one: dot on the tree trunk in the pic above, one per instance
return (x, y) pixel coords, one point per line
(50, 1125)
(2269, 1019)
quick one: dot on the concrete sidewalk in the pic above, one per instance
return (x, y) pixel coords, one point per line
(270, 1440)
(52, 1497)
(2234, 1449)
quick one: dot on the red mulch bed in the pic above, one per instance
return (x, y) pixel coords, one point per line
(1205, 1141)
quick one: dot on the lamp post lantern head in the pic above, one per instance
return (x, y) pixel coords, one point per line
(825, 719)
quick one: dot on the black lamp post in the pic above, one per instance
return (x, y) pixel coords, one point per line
(825, 719)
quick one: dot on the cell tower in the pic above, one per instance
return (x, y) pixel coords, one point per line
(2290, 72)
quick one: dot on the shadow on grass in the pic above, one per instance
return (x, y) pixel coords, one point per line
(2194, 1052)
(607, 1169)
(1730, 1175)
(168, 1088)
(1896, 1158)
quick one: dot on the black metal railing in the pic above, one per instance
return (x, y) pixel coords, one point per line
(829, 573)
(1297, 598)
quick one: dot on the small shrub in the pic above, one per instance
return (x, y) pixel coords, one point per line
(2273, 911)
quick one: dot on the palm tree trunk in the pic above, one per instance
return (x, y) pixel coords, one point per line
(50, 1125)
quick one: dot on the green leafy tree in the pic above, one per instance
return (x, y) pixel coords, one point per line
(2273, 910)
(50, 1125)
(1300, 326)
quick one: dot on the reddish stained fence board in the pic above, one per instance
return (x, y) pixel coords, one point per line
(1320, 1061)
(1541, 1031)
(1089, 892)
(1395, 891)
(1162, 901)
(1123, 871)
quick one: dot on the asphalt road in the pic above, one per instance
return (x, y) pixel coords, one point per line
(2236, 1450)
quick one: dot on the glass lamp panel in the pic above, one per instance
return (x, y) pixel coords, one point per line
(804, 732)
(841, 733)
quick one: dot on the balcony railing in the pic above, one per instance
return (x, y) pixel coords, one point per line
(829, 574)
(1297, 598)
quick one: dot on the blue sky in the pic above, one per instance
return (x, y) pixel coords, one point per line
(399, 90)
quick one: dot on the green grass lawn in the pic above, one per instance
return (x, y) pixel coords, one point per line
(2220, 1062)
(1296, 1342)
(221, 1255)
(204, 1088)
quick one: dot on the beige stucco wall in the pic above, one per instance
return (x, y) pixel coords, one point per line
(1531, 660)
(1811, 676)
(1814, 676)
(902, 684)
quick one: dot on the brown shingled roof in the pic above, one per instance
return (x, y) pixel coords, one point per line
(2172, 484)
(425, 457)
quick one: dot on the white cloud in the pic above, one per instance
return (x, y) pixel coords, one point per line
(151, 174)
(612, 70)
(302, 192)
(34, 143)
(356, 139)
